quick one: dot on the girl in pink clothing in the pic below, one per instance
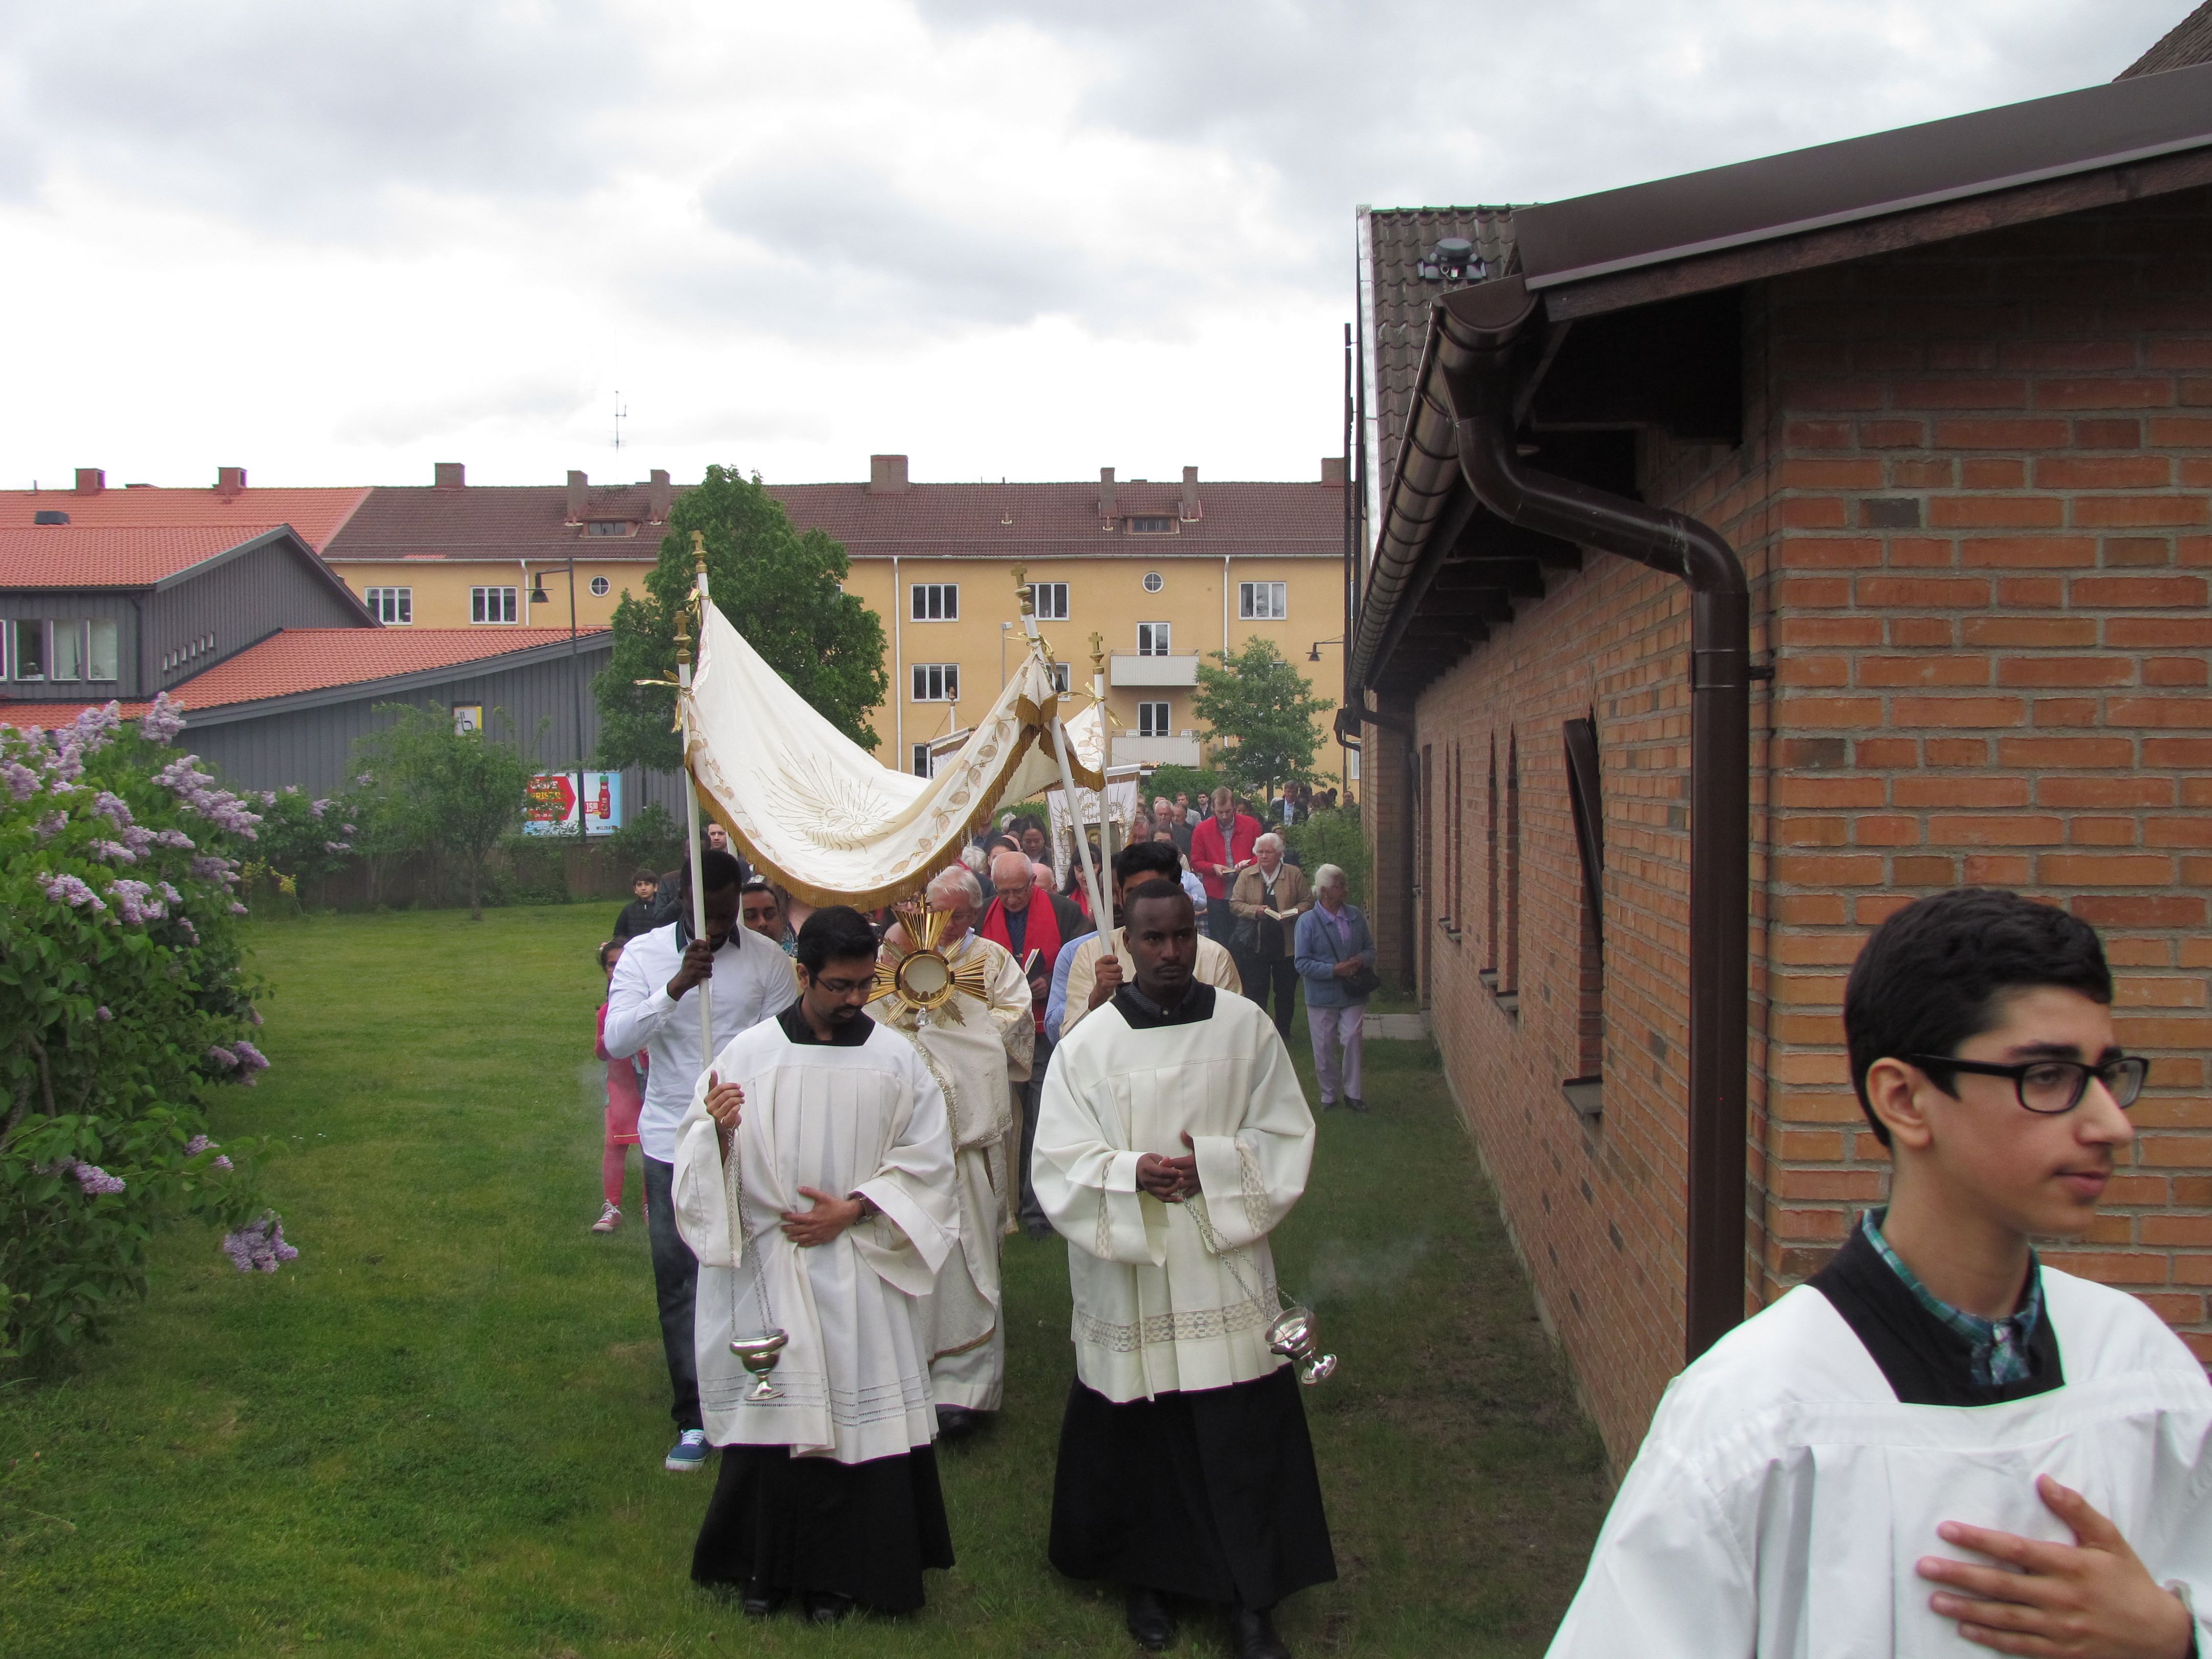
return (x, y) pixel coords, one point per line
(625, 1097)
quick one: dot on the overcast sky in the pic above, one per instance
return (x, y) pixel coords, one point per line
(335, 242)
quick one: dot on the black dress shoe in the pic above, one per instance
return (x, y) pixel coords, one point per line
(1357, 1105)
(760, 1601)
(1150, 1622)
(1254, 1636)
(956, 1424)
(827, 1607)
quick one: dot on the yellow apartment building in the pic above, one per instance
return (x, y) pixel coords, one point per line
(1164, 571)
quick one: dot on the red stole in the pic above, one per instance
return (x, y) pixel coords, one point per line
(1041, 936)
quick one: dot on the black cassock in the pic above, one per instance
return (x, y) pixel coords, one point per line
(1210, 1494)
(802, 1526)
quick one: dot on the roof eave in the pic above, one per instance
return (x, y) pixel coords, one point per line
(594, 640)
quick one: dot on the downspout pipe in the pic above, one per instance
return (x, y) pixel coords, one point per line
(1479, 329)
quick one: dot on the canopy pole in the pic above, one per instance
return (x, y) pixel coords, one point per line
(1101, 915)
(691, 795)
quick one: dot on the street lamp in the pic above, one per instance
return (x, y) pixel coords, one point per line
(1313, 654)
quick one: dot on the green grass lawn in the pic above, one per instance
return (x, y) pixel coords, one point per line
(440, 1431)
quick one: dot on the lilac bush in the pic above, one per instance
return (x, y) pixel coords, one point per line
(123, 1006)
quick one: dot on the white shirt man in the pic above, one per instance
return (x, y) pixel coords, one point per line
(653, 1004)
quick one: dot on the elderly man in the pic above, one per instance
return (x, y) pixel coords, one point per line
(975, 1048)
(1033, 923)
(1096, 971)
(1177, 825)
(1175, 1138)
(1267, 901)
(1220, 847)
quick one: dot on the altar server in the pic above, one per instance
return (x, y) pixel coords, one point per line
(977, 1046)
(1096, 971)
(814, 1182)
(1939, 1445)
(1173, 1141)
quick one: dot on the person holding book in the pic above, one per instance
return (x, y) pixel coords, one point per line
(1940, 1444)
(1267, 900)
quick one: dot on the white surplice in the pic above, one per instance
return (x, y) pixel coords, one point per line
(1783, 1493)
(1157, 1309)
(867, 1118)
(974, 1048)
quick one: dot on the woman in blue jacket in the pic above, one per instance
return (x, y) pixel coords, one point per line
(1335, 957)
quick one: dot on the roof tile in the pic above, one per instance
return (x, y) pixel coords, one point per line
(316, 514)
(113, 555)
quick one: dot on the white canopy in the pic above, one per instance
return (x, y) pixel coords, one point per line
(818, 814)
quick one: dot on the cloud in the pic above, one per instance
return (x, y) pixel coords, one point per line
(540, 401)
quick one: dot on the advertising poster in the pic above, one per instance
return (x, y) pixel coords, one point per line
(552, 809)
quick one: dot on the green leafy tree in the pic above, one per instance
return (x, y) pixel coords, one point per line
(463, 792)
(779, 587)
(1258, 711)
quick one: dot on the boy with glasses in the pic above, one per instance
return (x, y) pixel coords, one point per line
(1938, 1444)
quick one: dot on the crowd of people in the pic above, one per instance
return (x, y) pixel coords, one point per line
(830, 1174)
(841, 1169)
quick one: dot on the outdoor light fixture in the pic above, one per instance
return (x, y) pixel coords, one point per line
(1313, 655)
(1453, 260)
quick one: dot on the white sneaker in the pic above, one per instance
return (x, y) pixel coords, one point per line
(610, 1219)
(687, 1454)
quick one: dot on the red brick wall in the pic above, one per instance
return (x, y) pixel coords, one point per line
(1972, 500)
(1993, 463)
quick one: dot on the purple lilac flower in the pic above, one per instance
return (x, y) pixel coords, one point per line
(114, 851)
(347, 828)
(69, 890)
(336, 846)
(176, 838)
(365, 779)
(137, 902)
(138, 838)
(22, 782)
(192, 933)
(268, 798)
(252, 1057)
(92, 729)
(193, 788)
(170, 893)
(163, 720)
(112, 806)
(197, 1144)
(222, 1057)
(259, 1246)
(316, 808)
(238, 909)
(254, 1014)
(222, 1162)
(96, 1181)
(51, 825)
(206, 867)
(101, 1013)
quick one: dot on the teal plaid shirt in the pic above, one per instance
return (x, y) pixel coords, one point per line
(2000, 1346)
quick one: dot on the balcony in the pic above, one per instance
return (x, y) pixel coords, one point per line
(1128, 668)
(1155, 751)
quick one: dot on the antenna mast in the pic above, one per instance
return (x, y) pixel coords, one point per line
(622, 414)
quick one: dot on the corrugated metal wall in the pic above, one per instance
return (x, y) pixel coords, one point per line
(247, 599)
(313, 747)
(71, 607)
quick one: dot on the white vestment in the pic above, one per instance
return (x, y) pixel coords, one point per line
(865, 1118)
(1214, 966)
(1783, 1494)
(972, 1048)
(1157, 1308)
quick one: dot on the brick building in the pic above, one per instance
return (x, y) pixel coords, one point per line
(1947, 395)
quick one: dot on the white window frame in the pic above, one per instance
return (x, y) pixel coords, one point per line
(600, 587)
(1051, 601)
(1155, 639)
(929, 602)
(1263, 601)
(1059, 677)
(56, 631)
(16, 654)
(399, 601)
(1155, 719)
(1154, 581)
(921, 761)
(482, 599)
(936, 682)
(114, 649)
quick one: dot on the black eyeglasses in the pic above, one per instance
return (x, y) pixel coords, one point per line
(2052, 1086)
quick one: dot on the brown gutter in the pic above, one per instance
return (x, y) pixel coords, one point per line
(1479, 328)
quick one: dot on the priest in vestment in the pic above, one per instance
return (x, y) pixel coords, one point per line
(975, 1047)
(1102, 965)
(814, 1182)
(1173, 1138)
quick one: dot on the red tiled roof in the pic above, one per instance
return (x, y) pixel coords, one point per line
(71, 556)
(1038, 520)
(316, 659)
(316, 514)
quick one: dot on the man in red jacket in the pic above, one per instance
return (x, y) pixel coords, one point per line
(1219, 847)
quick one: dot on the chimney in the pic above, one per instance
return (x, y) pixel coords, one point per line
(230, 481)
(449, 475)
(91, 480)
(1190, 508)
(578, 484)
(1331, 469)
(887, 474)
(658, 497)
(1106, 515)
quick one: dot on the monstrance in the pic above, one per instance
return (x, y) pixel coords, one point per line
(919, 974)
